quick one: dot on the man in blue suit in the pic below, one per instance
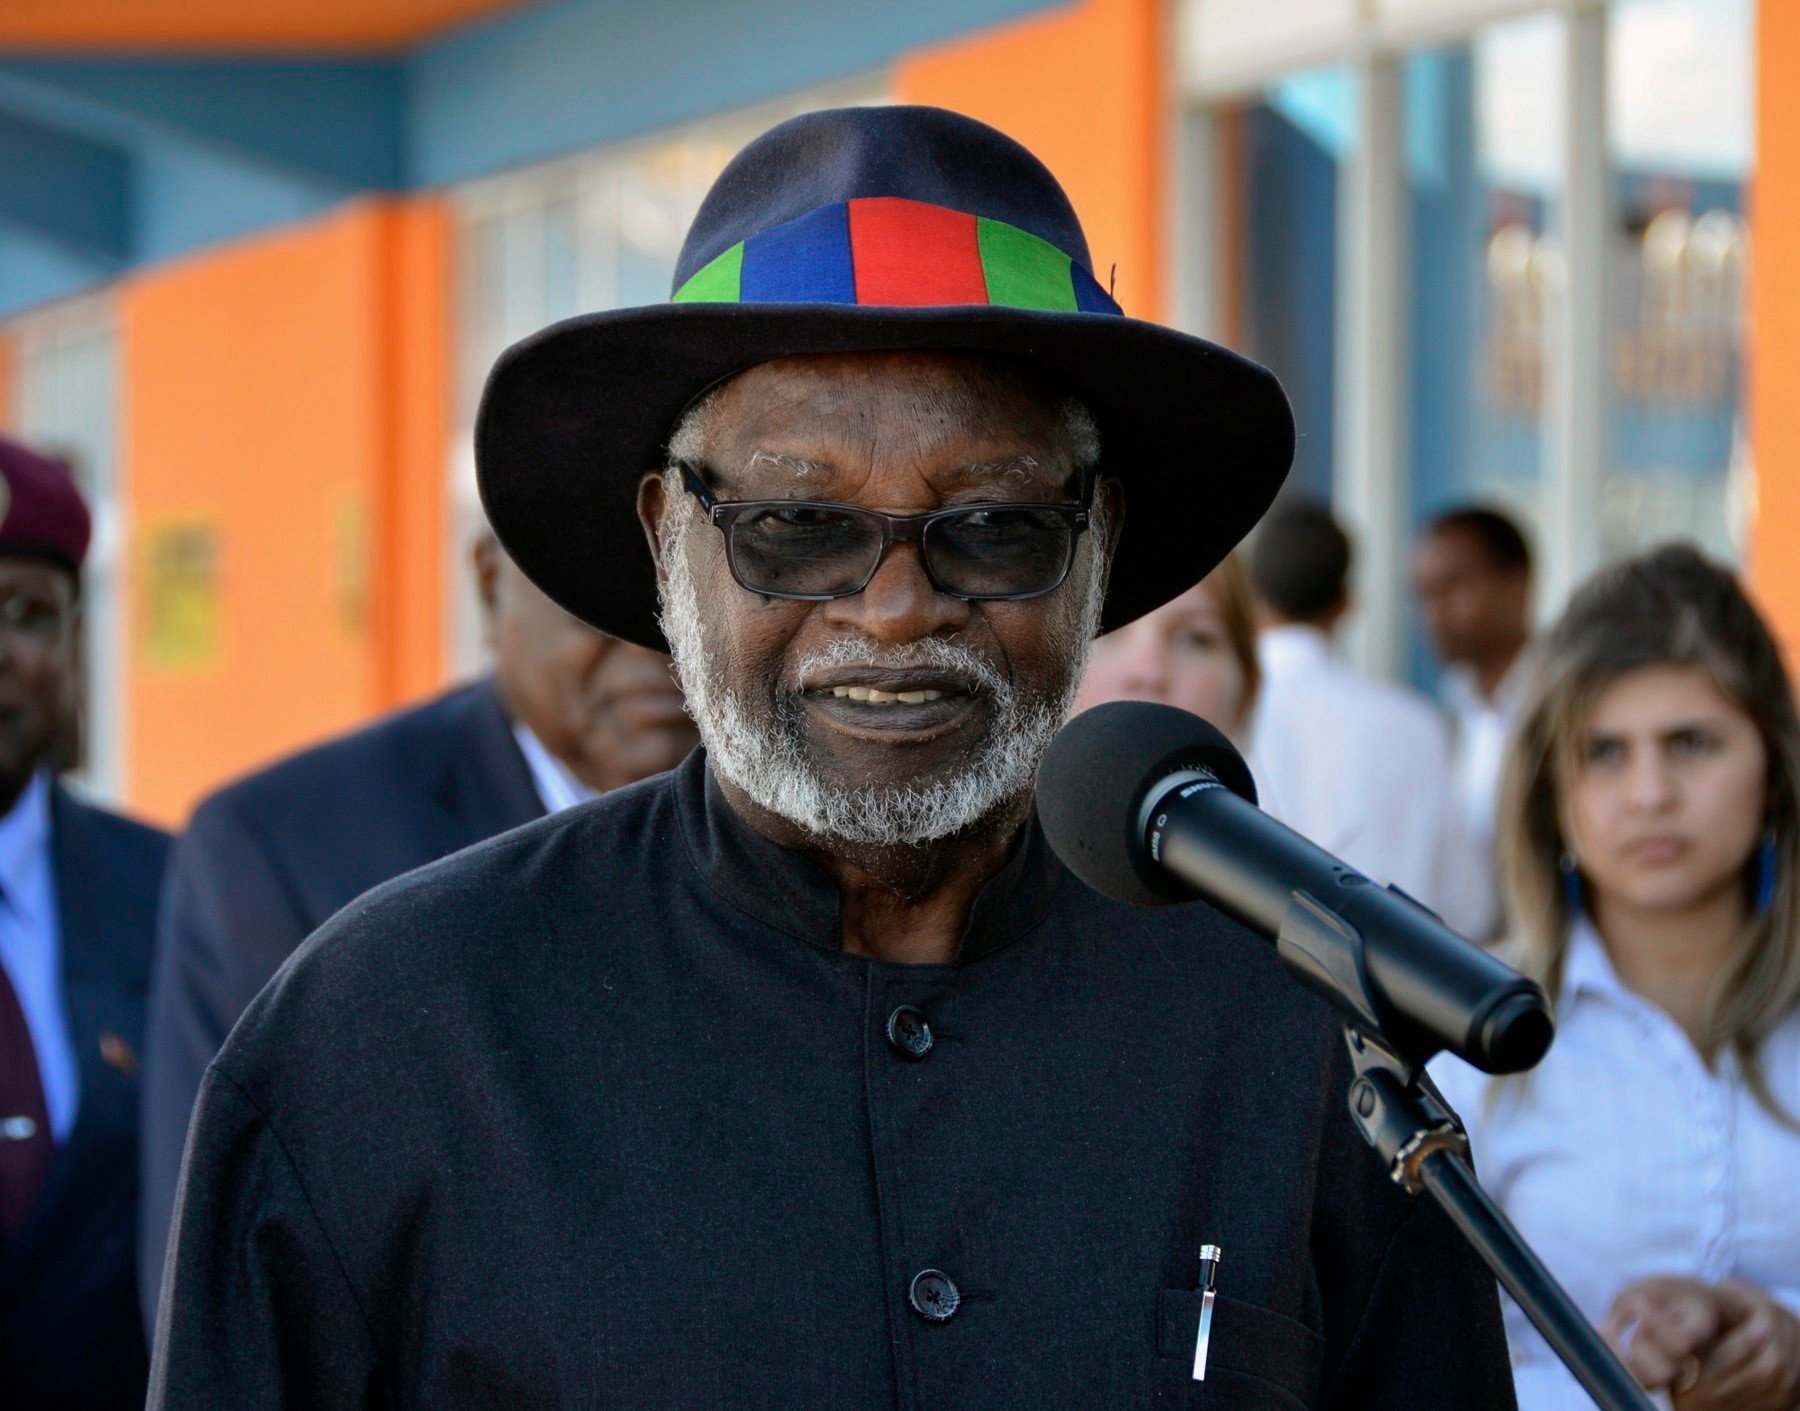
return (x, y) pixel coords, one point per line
(78, 892)
(568, 714)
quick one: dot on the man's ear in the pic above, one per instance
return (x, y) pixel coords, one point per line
(652, 505)
(484, 558)
(1111, 493)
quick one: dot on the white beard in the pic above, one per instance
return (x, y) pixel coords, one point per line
(768, 759)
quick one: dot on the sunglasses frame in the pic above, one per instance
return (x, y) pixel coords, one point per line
(895, 528)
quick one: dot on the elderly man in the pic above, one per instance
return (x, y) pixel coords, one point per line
(78, 889)
(806, 1076)
(567, 714)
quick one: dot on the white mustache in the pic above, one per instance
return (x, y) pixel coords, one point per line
(952, 657)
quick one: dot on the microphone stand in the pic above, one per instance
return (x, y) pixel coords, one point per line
(1402, 1116)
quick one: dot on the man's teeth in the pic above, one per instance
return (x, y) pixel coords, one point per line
(875, 697)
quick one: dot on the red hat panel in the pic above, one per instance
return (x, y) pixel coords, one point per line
(41, 511)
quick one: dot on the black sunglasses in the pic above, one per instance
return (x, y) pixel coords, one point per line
(815, 550)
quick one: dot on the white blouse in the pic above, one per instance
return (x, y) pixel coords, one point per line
(1621, 1156)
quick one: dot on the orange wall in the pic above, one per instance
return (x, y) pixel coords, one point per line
(1775, 321)
(410, 520)
(207, 24)
(6, 386)
(281, 401)
(1086, 87)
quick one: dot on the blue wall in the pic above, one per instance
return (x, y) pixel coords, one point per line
(1290, 281)
(108, 162)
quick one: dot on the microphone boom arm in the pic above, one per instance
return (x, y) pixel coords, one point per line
(1424, 1148)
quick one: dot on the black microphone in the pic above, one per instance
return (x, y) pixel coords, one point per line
(1151, 805)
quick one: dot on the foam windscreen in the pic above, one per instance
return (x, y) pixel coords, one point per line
(1093, 780)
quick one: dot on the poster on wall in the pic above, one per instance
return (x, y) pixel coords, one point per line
(182, 626)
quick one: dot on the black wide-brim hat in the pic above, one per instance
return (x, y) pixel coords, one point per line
(865, 230)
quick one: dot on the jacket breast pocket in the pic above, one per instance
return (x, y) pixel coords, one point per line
(1257, 1360)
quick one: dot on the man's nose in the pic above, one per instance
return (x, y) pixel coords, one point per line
(899, 604)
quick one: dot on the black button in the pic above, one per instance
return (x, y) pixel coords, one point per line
(908, 1032)
(933, 1297)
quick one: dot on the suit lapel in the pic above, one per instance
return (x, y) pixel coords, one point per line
(488, 786)
(105, 1015)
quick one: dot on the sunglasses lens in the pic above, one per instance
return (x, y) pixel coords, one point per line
(1000, 553)
(804, 551)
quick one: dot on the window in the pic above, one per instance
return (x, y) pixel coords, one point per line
(67, 397)
(1287, 149)
(1679, 142)
(1486, 270)
(1569, 239)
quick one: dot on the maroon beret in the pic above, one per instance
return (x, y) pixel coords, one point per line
(41, 512)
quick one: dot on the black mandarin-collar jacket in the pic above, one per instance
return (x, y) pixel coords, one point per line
(599, 1114)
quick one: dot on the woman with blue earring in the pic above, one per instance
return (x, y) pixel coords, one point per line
(1650, 839)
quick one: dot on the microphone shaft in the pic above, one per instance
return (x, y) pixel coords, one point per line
(1428, 984)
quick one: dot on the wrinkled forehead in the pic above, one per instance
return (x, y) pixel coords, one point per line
(953, 420)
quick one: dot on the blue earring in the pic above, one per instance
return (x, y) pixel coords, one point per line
(1571, 883)
(1767, 872)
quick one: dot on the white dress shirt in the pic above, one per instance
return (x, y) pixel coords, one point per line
(556, 785)
(1621, 1156)
(1361, 767)
(31, 949)
(1481, 727)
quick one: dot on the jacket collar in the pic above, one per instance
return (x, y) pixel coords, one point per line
(789, 893)
(25, 849)
(1292, 646)
(1588, 970)
(556, 784)
(103, 989)
(1462, 694)
(488, 785)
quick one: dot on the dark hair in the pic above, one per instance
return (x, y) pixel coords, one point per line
(1300, 561)
(1499, 535)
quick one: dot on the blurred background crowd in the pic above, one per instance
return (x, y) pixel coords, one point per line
(1521, 264)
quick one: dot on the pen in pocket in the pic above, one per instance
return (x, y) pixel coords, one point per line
(1210, 1255)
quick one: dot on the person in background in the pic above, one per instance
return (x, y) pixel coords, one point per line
(78, 889)
(568, 714)
(1472, 574)
(1197, 653)
(1650, 842)
(1361, 767)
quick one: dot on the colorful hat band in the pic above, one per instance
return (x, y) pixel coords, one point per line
(889, 252)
